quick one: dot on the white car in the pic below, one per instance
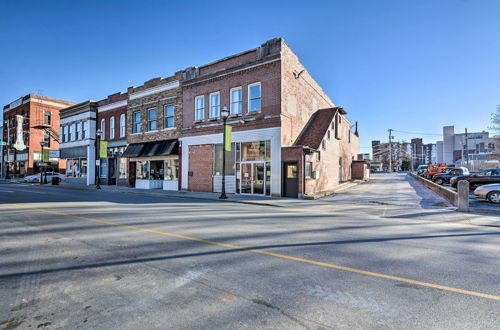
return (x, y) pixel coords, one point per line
(36, 177)
(490, 192)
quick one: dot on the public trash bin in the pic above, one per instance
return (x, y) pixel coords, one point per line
(55, 180)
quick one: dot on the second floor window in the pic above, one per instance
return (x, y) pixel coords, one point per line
(47, 117)
(122, 125)
(46, 139)
(254, 98)
(103, 129)
(236, 101)
(65, 134)
(136, 122)
(112, 127)
(78, 131)
(152, 119)
(71, 132)
(169, 116)
(215, 105)
(84, 130)
(199, 108)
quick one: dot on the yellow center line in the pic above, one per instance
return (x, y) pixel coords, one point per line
(272, 254)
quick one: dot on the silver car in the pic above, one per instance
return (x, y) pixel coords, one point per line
(490, 192)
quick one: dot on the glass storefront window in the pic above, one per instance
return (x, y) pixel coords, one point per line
(76, 168)
(253, 151)
(103, 168)
(230, 161)
(122, 168)
(171, 169)
(156, 170)
(142, 170)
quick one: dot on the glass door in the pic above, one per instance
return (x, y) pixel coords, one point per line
(258, 178)
(246, 178)
(253, 178)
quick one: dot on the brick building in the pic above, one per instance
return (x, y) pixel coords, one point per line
(111, 122)
(29, 120)
(271, 98)
(153, 128)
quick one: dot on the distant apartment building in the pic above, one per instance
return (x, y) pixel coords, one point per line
(288, 137)
(28, 123)
(474, 149)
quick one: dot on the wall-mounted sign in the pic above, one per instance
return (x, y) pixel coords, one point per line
(55, 154)
(19, 145)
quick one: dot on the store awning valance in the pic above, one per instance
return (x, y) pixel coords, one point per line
(151, 149)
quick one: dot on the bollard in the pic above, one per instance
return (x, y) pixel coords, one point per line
(463, 196)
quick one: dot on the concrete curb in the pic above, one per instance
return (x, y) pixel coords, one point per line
(168, 195)
(484, 210)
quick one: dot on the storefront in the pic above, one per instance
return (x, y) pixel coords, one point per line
(156, 164)
(78, 165)
(113, 169)
(253, 166)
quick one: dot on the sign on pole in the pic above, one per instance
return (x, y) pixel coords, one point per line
(103, 149)
(45, 155)
(229, 138)
(3, 143)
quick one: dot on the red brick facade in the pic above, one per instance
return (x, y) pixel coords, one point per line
(200, 168)
(115, 113)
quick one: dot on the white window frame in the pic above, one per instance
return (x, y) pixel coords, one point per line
(123, 127)
(212, 106)
(155, 120)
(65, 133)
(232, 102)
(85, 134)
(249, 99)
(165, 116)
(196, 115)
(103, 129)
(134, 123)
(112, 128)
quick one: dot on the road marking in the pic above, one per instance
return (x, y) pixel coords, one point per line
(272, 254)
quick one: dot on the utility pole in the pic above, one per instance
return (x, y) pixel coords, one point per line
(390, 150)
(466, 148)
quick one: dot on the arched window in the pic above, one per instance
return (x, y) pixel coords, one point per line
(111, 128)
(103, 129)
(122, 125)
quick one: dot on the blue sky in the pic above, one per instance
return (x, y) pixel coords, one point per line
(408, 65)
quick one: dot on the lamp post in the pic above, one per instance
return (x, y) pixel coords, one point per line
(97, 158)
(224, 114)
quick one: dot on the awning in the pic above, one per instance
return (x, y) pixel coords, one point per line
(133, 150)
(151, 149)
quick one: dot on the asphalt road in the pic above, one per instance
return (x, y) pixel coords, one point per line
(100, 260)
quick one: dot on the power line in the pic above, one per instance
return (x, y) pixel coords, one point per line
(417, 133)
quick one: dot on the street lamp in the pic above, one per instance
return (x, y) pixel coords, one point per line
(97, 157)
(224, 114)
(42, 144)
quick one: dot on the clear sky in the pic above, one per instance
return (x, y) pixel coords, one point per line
(408, 65)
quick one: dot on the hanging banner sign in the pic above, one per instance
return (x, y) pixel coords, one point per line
(229, 138)
(103, 149)
(45, 155)
(19, 145)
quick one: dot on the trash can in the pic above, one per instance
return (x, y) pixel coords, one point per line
(55, 180)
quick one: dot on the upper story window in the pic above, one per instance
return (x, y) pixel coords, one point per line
(47, 117)
(122, 125)
(323, 144)
(84, 129)
(103, 129)
(215, 105)
(328, 134)
(254, 97)
(169, 116)
(236, 101)
(199, 107)
(112, 127)
(64, 134)
(71, 132)
(136, 122)
(46, 139)
(78, 131)
(152, 119)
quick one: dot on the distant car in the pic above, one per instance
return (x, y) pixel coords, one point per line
(449, 173)
(488, 176)
(490, 192)
(36, 177)
(421, 169)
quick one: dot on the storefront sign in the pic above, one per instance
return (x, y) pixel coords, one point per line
(54, 154)
(229, 138)
(103, 149)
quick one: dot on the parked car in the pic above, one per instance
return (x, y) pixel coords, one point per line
(490, 192)
(488, 176)
(421, 169)
(449, 173)
(36, 177)
(433, 169)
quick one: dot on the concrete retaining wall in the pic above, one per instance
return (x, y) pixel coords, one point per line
(447, 194)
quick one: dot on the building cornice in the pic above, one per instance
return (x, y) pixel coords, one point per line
(111, 106)
(154, 90)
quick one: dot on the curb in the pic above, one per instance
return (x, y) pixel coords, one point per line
(484, 210)
(169, 195)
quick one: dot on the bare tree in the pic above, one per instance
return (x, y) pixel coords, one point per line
(495, 120)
